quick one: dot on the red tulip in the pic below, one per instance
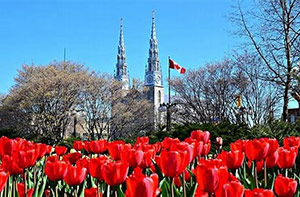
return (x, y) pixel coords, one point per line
(92, 192)
(173, 163)
(285, 186)
(198, 146)
(83, 162)
(271, 160)
(98, 146)
(52, 158)
(140, 185)
(87, 146)
(10, 164)
(115, 148)
(27, 158)
(287, 157)
(75, 175)
(72, 157)
(201, 135)
(223, 179)
(143, 140)
(60, 150)
(200, 193)
(184, 146)
(7, 146)
(259, 193)
(48, 149)
(78, 145)
(238, 145)
(55, 169)
(3, 179)
(21, 190)
(256, 149)
(41, 150)
(157, 147)
(233, 159)
(291, 142)
(147, 158)
(219, 141)
(206, 148)
(132, 156)
(207, 178)
(273, 145)
(233, 189)
(114, 173)
(167, 142)
(47, 193)
(95, 165)
(209, 175)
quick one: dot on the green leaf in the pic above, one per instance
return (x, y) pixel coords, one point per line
(120, 192)
(43, 187)
(158, 171)
(81, 188)
(191, 191)
(165, 187)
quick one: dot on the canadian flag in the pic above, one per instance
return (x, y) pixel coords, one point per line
(174, 65)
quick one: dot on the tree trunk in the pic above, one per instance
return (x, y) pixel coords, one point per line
(285, 102)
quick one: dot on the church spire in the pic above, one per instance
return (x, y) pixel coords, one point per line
(121, 47)
(153, 60)
(121, 72)
(153, 33)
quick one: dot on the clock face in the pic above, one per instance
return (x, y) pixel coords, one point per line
(157, 79)
(149, 78)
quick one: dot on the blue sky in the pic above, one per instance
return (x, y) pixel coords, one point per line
(191, 32)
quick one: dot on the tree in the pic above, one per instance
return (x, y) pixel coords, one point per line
(109, 111)
(44, 98)
(52, 101)
(208, 94)
(261, 96)
(95, 107)
(272, 28)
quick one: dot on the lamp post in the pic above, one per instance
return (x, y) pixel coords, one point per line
(165, 107)
(241, 111)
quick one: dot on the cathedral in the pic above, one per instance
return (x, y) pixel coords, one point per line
(153, 79)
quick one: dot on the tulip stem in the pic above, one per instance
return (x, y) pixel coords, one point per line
(98, 187)
(13, 186)
(108, 190)
(183, 183)
(75, 192)
(5, 188)
(25, 182)
(255, 174)
(34, 176)
(56, 190)
(265, 173)
(172, 187)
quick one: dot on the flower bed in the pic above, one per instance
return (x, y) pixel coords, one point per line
(257, 167)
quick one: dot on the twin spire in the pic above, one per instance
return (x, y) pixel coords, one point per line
(153, 61)
(121, 47)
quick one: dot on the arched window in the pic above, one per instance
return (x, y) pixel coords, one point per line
(159, 97)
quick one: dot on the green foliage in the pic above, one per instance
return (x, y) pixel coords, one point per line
(230, 132)
(275, 129)
(68, 142)
(10, 133)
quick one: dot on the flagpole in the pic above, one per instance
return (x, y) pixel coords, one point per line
(169, 98)
(169, 81)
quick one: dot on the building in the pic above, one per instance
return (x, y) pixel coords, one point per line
(153, 78)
